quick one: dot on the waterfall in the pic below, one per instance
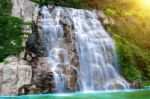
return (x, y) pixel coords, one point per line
(53, 43)
(95, 49)
(97, 55)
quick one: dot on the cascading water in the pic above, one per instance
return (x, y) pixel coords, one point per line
(53, 43)
(95, 49)
(96, 54)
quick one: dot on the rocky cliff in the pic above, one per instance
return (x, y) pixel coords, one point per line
(34, 74)
(25, 9)
(16, 72)
(14, 75)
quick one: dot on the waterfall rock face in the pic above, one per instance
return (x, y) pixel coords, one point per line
(53, 42)
(13, 76)
(67, 51)
(75, 50)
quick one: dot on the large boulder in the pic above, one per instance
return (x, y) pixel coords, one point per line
(25, 9)
(14, 75)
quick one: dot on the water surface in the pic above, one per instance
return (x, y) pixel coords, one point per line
(134, 94)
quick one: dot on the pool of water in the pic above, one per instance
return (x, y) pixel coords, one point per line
(130, 94)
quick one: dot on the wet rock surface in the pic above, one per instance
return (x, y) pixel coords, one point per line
(37, 55)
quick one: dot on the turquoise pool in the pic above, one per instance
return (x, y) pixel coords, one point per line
(131, 94)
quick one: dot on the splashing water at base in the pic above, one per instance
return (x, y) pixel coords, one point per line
(95, 48)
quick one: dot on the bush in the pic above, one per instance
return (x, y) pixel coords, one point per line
(126, 60)
(10, 32)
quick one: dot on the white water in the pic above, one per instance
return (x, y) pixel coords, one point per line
(53, 44)
(96, 54)
(95, 49)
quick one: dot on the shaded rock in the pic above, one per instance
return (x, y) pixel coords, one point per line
(32, 44)
(71, 70)
(136, 84)
(28, 89)
(72, 78)
(42, 77)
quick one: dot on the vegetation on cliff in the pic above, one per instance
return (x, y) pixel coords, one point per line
(10, 31)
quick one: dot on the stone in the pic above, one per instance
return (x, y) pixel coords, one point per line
(42, 77)
(105, 19)
(28, 89)
(136, 84)
(72, 78)
(13, 76)
(108, 20)
(25, 9)
(101, 14)
(28, 12)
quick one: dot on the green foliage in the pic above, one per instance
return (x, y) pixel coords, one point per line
(111, 11)
(6, 62)
(11, 36)
(134, 61)
(10, 32)
(126, 59)
(147, 83)
(5, 8)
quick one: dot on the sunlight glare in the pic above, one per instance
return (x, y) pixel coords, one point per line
(145, 4)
